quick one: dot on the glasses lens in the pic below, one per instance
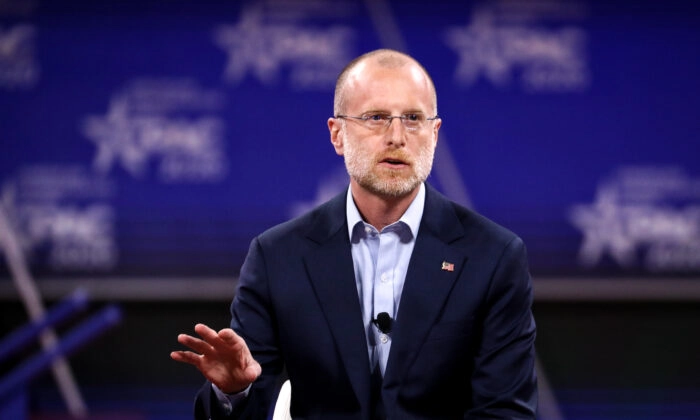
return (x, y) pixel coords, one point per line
(413, 121)
(376, 121)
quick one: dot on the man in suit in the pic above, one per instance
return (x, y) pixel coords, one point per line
(388, 301)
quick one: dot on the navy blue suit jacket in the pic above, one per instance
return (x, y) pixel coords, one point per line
(462, 343)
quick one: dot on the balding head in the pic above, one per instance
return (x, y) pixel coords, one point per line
(384, 58)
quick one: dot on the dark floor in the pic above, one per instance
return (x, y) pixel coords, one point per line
(603, 361)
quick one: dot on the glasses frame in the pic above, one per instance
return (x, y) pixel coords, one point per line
(388, 119)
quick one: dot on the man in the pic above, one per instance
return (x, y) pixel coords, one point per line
(389, 301)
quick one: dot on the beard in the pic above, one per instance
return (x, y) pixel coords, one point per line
(363, 167)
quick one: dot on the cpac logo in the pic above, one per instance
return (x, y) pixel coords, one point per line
(187, 150)
(80, 238)
(638, 211)
(18, 65)
(546, 59)
(62, 209)
(77, 238)
(313, 56)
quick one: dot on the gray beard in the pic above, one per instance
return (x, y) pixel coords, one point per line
(382, 182)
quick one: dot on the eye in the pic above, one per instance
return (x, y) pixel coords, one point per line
(413, 117)
(374, 116)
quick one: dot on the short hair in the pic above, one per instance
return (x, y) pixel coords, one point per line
(384, 57)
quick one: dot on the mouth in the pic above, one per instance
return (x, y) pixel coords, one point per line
(393, 162)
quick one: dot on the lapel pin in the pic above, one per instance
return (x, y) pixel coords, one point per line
(447, 266)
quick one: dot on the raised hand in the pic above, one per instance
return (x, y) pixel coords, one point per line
(222, 357)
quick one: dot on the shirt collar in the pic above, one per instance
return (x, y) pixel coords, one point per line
(411, 217)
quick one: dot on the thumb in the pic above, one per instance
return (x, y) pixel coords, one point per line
(253, 370)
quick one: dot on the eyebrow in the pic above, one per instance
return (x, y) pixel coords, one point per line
(383, 111)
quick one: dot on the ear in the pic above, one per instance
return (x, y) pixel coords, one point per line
(337, 133)
(436, 128)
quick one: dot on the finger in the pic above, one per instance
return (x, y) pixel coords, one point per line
(185, 357)
(230, 341)
(195, 344)
(207, 334)
(229, 336)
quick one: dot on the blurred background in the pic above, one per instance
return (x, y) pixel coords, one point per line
(143, 144)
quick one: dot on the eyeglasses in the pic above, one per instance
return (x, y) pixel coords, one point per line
(378, 121)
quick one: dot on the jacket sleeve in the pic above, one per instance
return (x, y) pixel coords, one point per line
(253, 319)
(504, 382)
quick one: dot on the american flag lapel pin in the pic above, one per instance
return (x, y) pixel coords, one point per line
(447, 266)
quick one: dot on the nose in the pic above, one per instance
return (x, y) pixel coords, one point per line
(397, 133)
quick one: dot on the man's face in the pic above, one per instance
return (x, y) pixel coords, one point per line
(389, 162)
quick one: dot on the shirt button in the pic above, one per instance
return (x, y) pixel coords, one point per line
(383, 338)
(384, 277)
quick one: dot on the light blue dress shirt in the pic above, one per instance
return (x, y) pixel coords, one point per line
(381, 260)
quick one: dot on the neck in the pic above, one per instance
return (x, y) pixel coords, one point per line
(380, 211)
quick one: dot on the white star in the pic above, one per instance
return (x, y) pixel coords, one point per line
(116, 138)
(249, 46)
(480, 49)
(604, 230)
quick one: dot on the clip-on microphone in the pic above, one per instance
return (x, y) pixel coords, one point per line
(384, 322)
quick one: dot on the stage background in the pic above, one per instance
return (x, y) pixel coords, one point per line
(144, 144)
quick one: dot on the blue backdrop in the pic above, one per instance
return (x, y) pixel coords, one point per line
(156, 138)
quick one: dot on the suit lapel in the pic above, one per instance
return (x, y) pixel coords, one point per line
(332, 275)
(427, 285)
(426, 288)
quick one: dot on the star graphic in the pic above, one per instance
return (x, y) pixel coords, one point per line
(480, 48)
(249, 46)
(116, 137)
(603, 225)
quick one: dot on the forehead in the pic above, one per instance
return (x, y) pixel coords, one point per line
(371, 86)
